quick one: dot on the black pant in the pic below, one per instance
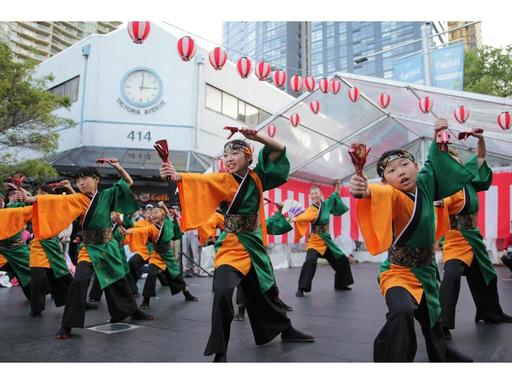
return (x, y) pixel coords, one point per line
(12, 273)
(396, 341)
(485, 296)
(96, 292)
(240, 299)
(120, 301)
(135, 263)
(175, 285)
(43, 281)
(266, 315)
(343, 273)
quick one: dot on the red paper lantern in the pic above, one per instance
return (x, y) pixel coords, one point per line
(384, 100)
(323, 84)
(186, 48)
(295, 119)
(314, 105)
(310, 83)
(138, 31)
(279, 78)
(271, 130)
(222, 166)
(504, 120)
(354, 94)
(461, 114)
(335, 86)
(262, 70)
(218, 58)
(243, 65)
(426, 104)
(296, 83)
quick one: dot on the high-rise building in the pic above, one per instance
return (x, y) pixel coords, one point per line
(323, 48)
(470, 35)
(40, 40)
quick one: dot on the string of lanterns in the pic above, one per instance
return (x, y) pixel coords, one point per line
(186, 47)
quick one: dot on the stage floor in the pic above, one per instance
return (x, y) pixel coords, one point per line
(344, 324)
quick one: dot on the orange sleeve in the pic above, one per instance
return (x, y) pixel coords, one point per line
(13, 220)
(301, 222)
(208, 231)
(375, 218)
(451, 206)
(54, 213)
(201, 194)
(137, 239)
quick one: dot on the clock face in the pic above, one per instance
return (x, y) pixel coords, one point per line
(141, 87)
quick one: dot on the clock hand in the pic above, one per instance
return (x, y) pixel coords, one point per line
(142, 84)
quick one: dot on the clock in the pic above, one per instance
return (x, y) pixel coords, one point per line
(141, 87)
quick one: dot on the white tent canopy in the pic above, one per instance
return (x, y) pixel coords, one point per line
(317, 148)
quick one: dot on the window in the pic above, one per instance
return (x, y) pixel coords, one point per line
(251, 115)
(229, 105)
(68, 88)
(213, 98)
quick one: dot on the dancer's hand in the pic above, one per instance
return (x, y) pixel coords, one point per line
(167, 172)
(249, 133)
(358, 186)
(441, 123)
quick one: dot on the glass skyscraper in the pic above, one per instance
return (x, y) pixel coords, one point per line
(323, 48)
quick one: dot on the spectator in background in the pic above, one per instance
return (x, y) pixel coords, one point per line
(190, 249)
(507, 257)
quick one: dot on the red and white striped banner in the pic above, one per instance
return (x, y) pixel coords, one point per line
(493, 219)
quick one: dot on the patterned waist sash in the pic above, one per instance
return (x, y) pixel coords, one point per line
(411, 257)
(12, 243)
(97, 236)
(163, 248)
(319, 228)
(234, 223)
(468, 221)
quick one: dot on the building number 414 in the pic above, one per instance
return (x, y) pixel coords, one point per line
(139, 136)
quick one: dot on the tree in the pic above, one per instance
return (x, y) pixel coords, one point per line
(26, 118)
(488, 71)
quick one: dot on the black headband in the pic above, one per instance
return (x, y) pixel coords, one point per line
(387, 158)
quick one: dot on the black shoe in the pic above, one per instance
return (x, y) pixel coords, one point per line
(141, 315)
(35, 315)
(93, 300)
(447, 334)
(489, 320)
(292, 335)
(507, 261)
(343, 289)
(64, 333)
(299, 293)
(189, 296)
(145, 303)
(454, 356)
(90, 306)
(220, 358)
(506, 318)
(240, 316)
(286, 307)
(136, 294)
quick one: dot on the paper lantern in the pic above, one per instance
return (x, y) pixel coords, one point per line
(353, 94)
(323, 84)
(138, 31)
(296, 83)
(384, 100)
(310, 83)
(262, 70)
(461, 114)
(295, 119)
(426, 104)
(218, 58)
(504, 120)
(271, 130)
(314, 105)
(243, 66)
(279, 78)
(186, 48)
(335, 86)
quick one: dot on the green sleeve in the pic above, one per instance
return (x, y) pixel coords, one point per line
(442, 176)
(272, 173)
(176, 230)
(335, 204)
(278, 225)
(483, 174)
(128, 221)
(122, 198)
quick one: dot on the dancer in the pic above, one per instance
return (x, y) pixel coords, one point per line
(100, 253)
(464, 252)
(320, 243)
(241, 254)
(162, 231)
(398, 217)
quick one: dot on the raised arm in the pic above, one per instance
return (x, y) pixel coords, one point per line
(275, 146)
(122, 172)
